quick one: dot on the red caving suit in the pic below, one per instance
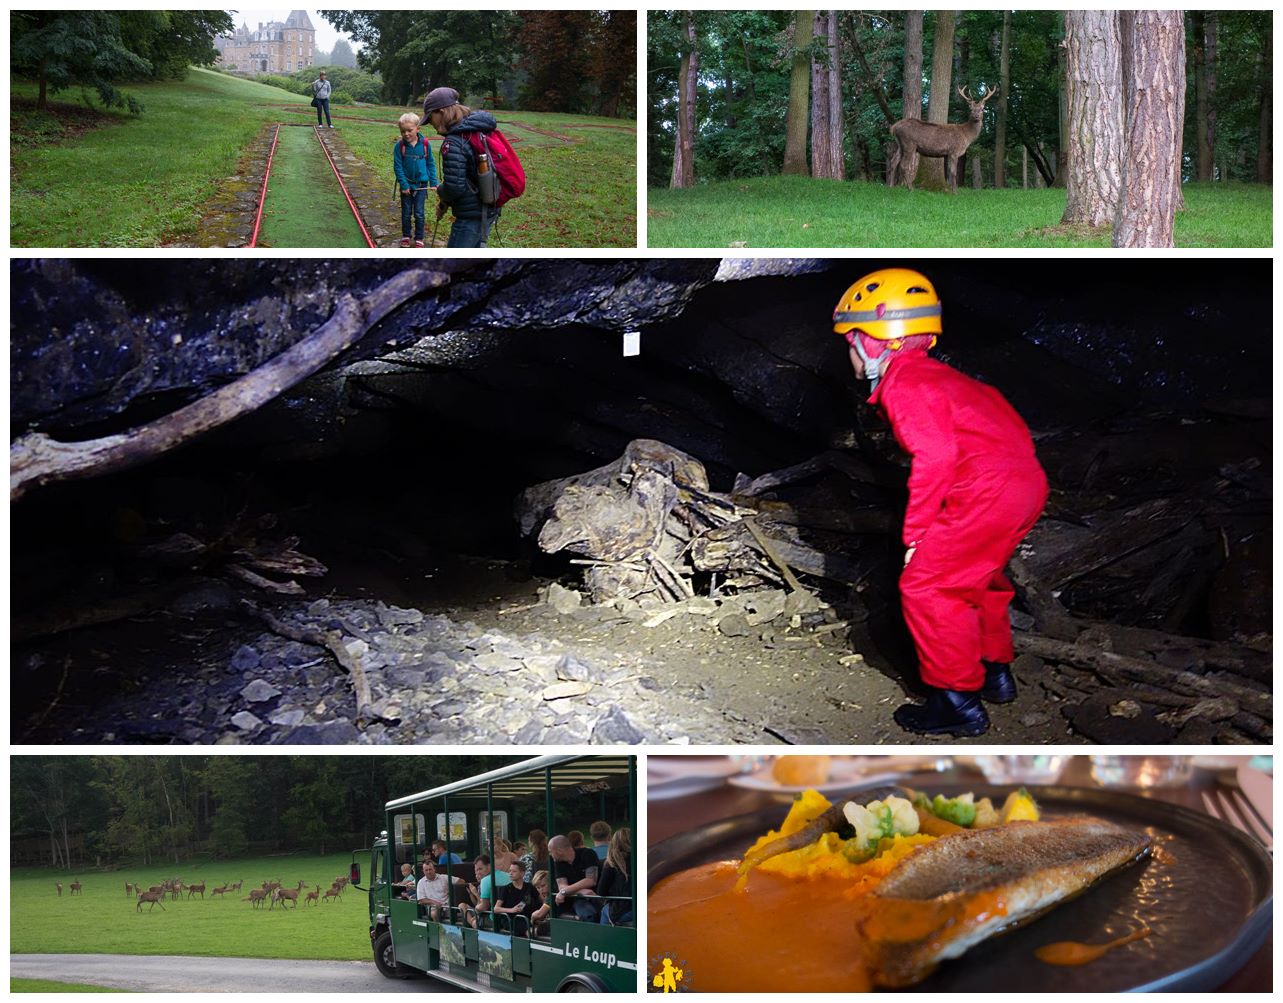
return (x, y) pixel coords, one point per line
(975, 490)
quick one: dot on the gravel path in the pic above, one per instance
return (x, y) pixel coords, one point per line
(175, 973)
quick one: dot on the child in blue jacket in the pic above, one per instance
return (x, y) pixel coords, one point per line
(416, 173)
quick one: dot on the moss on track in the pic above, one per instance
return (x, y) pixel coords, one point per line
(305, 206)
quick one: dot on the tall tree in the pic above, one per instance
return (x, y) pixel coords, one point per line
(1153, 63)
(1094, 74)
(1004, 86)
(1204, 25)
(1264, 146)
(795, 121)
(912, 84)
(931, 169)
(687, 88)
(614, 73)
(62, 49)
(826, 100)
(342, 55)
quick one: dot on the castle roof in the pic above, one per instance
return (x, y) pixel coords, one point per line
(299, 19)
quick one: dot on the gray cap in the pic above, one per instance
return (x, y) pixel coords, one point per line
(438, 98)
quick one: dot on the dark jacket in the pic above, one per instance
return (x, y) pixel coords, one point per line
(459, 166)
(413, 165)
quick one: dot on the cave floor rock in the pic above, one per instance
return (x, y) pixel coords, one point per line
(506, 668)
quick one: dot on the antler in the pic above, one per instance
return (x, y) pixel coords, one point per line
(962, 92)
(990, 93)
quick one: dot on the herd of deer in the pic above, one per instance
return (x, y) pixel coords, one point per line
(270, 892)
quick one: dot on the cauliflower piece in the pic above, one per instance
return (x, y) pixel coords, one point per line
(876, 821)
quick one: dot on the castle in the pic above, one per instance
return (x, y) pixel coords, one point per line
(275, 47)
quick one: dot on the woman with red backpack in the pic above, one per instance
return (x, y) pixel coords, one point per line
(472, 148)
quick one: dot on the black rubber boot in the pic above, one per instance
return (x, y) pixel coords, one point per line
(946, 711)
(1000, 684)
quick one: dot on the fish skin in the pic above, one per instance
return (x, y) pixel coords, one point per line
(1027, 866)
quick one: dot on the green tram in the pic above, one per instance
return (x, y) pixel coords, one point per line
(503, 954)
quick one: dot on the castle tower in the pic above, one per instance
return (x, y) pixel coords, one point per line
(275, 47)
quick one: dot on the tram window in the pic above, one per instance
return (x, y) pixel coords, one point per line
(458, 837)
(410, 831)
(500, 828)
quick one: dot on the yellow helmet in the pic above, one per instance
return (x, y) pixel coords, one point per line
(889, 304)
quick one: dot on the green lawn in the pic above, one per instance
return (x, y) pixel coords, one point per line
(136, 181)
(50, 986)
(579, 193)
(305, 205)
(806, 212)
(88, 178)
(103, 921)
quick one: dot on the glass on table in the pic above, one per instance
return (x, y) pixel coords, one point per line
(1141, 771)
(1037, 769)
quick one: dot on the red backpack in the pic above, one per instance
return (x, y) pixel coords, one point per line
(504, 162)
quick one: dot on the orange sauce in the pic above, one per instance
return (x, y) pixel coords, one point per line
(780, 934)
(1069, 952)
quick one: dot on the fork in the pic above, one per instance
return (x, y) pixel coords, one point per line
(1229, 804)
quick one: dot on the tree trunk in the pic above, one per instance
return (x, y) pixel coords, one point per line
(1264, 147)
(826, 102)
(1000, 124)
(687, 79)
(1207, 135)
(977, 172)
(42, 100)
(1198, 57)
(1061, 179)
(1024, 167)
(912, 83)
(795, 121)
(1153, 62)
(931, 169)
(1095, 91)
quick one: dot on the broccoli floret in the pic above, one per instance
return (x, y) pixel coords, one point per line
(960, 810)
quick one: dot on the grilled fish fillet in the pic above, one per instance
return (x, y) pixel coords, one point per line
(945, 897)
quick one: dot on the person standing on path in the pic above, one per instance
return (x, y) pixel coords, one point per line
(321, 99)
(975, 490)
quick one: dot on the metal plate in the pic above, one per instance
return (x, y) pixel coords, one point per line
(1206, 895)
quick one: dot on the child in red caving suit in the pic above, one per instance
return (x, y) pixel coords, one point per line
(975, 490)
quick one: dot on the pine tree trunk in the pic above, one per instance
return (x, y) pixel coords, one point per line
(1198, 58)
(1004, 84)
(795, 121)
(1153, 62)
(1207, 134)
(827, 146)
(1061, 179)
(912, 84)
(1095, 90)
(42, 99)
(1264, 145)
(1024, 167)
(931, 169)
(687, 78)
(977, 172)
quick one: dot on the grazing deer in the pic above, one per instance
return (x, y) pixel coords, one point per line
(220, 890)
(75, 887)
(256, 896)
(193, 889)
(155, 898)
(312, 896)
(59, 884)
(928, 139)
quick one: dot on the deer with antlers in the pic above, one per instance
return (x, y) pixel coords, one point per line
(928, 139)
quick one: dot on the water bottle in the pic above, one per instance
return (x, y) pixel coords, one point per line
(487, 181)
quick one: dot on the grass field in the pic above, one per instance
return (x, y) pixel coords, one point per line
(304, 205)
(83, 177)
(805, 212)
(50, 986)
(133, 181)
(103, 921)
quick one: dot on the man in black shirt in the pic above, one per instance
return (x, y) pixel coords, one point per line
(576, 877)
(519, 897)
